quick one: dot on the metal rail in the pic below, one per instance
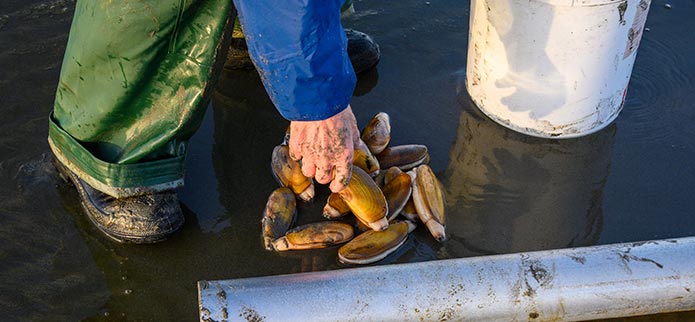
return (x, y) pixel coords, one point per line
(555, 285)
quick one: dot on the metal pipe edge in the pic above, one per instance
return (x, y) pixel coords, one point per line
(573, 284)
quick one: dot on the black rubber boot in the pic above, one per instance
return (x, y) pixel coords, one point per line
(143, 219)
(363, 52)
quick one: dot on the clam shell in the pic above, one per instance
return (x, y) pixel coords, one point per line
(286, 138)
(429, 201)
(365, 199)
(335, 207)
(379, 179)
(278, 216)
(315, 235)
(385, 176)
(391, 173)
(365, 160)
(373, 246)
(404, 157)
(377, 133)
(409, 211)
(397, 192)
(289, 173)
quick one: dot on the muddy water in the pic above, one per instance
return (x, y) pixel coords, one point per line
(506, 192)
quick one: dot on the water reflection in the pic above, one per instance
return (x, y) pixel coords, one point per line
(366, 81)
(508, 192)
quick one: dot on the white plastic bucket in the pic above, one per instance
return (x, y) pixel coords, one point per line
(553, 68)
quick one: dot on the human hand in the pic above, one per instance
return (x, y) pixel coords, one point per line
(326, 148)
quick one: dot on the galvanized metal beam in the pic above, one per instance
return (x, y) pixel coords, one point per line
(557, 285)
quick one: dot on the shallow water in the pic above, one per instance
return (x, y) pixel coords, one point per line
(506, 192)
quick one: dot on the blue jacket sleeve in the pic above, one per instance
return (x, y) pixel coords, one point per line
(300, 50)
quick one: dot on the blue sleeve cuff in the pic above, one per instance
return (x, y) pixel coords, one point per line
(300, 50)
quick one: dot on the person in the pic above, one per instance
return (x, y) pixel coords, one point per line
(133, 89)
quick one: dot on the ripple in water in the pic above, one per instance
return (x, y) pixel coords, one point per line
(654, 107)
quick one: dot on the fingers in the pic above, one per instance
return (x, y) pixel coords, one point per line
(326, 148)
(308, 168)
(295, 154)
(324, 173)
(343, 173)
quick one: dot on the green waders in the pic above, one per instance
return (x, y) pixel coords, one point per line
(133, 89)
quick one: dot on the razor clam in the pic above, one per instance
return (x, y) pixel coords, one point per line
(404, 157)
(372, 246)
(278, 216)
(429, 201)
(377, 133)
(335, 207)
(316, 235)
(286, 138)
(397, 191)
(289, 173)
(365, 199)
(365, 160)
(379, 179)
(409, 211)
(391, 173)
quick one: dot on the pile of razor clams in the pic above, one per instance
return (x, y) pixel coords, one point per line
(391, 190)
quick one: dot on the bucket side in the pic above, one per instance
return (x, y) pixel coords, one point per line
(552, 71)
